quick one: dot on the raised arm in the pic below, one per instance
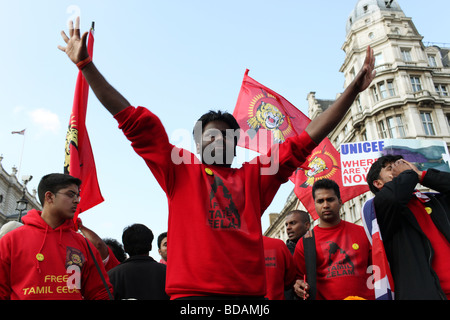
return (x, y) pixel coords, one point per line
(76, 50)
(321, 126)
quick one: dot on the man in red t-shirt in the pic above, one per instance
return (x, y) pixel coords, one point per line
(342, 251)
(280, 271)
(215, 244)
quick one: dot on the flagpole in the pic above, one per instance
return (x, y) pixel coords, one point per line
(21, 156)
(22, 133)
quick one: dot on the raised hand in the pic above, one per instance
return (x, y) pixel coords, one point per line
(402, 165)
(76, 48)
(322, 125)
(367, 72)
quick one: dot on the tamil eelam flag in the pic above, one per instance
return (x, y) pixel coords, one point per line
(266, 118)
(79, 159)
(324, 162)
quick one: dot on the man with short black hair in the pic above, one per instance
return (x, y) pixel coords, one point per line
(56, 260)
(414, 226)
(342, 250)
(297, 224)
(139, 277)
(162, 247)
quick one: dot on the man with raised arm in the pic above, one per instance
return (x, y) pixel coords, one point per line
(215, 243)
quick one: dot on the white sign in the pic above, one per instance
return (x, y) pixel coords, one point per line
(358, 157)
(356, 160)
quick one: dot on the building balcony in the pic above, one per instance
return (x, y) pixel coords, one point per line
(424, 97)
(385, 67)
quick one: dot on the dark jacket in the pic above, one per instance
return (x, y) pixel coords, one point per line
(291, 245)
(407, 248)
(139, 277)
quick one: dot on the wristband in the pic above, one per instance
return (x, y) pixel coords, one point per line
(84, 63)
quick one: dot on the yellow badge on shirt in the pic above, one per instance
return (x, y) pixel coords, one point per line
(355, 246)
(40, 257)
(209, 171)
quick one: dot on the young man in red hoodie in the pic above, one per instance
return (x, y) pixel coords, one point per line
(215, 245)
(46, 259)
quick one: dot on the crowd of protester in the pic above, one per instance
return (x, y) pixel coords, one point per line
(214, 248)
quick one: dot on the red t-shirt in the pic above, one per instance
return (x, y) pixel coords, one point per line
(280, 271)
(215, 244)
(343, 255)
(440, 245)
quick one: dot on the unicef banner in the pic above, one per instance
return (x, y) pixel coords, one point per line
(358, 157)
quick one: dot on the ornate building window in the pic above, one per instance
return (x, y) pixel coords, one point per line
(376, 97)
(383, 90)
(406, 54)
(391, 128)
(379, 59)
(432, 60)
(395, 127)
(441, 89)
(427, 123)
(416, 84)
(382, 132)
(391, 88)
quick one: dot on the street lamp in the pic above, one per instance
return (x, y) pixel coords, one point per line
(22, 203)
(21, 206)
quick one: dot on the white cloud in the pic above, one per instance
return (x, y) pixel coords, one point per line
(46, 120)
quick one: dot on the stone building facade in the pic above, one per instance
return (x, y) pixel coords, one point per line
(408, 99)
(11, 190)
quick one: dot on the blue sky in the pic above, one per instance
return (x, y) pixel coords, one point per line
(177, 58)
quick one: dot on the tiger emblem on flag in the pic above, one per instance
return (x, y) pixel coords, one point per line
(322, 164)
(316, 166)
(71, 139)
(268, 117)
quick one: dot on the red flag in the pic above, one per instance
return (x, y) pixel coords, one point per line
(79, 159)
(265, 117)
(324, 162)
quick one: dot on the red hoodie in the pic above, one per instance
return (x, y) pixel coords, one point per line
(38, 262)
(215, 244)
